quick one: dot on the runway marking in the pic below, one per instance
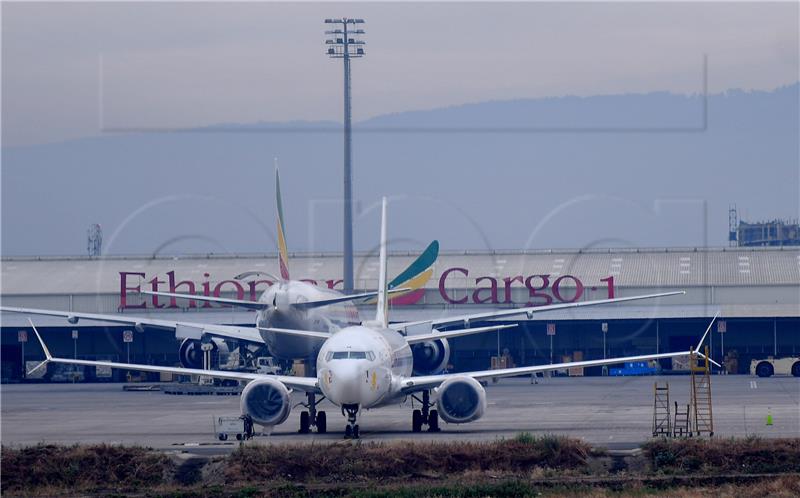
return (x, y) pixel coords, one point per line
(753, 384)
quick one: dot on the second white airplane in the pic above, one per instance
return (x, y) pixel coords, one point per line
(368, 366)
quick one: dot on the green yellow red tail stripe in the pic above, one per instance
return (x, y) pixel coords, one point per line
(415, 277)
(284, 253)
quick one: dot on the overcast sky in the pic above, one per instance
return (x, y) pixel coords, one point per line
(68, 70)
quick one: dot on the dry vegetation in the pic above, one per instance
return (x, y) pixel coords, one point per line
(746, 456)
(523, 466)
(358, 462)
(49, 466)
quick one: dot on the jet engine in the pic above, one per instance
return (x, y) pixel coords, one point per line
(431, 357)
(191, 354)
(461, 399)
(267, 401)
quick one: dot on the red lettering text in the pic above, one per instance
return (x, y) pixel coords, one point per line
(492, 291)
(557, 290)
(532, 291)
(610, 283)
(236, 284)
(123, 290)
(253, 284)
(154, 287)
(508, 281)
(442, 289)
(173, 287)
(206, 290)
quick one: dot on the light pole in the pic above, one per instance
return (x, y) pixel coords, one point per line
(658, 337)
(22, 338)
(722, 327)
(604, 328)
(344, 44)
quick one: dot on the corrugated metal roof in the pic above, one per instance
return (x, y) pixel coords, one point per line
(656, 268)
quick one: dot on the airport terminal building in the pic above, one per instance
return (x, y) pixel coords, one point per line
(755, 289)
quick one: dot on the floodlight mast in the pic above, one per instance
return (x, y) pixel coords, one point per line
(344, 44)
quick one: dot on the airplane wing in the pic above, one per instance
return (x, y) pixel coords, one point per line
(340, 299)
(422, 383)
(307, 384)
(507, 313)
(412, 384)
(257, 305)
(297, 332)
(242, 303)
(412, 339)
(250, 334)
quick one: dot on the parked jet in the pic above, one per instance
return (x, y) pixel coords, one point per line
(367, 366)
(287, 303)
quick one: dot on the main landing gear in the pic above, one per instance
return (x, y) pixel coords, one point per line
(426, 416)
(313, 418)
(351, 430)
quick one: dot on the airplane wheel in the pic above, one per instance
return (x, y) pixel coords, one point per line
(355, 431)
(305, 423)
(322, 423)
(433, 421)
(223, 437)
(416, 421)
(348, 431)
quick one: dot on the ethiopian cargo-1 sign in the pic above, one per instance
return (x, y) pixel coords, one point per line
(538, 290)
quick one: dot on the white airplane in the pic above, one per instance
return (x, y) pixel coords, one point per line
(364, 367)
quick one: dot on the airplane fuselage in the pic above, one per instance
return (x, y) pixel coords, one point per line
(362, 366)
(280, 314)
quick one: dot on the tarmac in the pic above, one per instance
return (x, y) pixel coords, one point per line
(612, 412)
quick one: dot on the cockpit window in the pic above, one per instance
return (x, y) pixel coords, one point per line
(353, 355)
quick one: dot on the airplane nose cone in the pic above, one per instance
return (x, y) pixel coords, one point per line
(347, 381)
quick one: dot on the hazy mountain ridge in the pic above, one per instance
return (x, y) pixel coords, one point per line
(611, 170)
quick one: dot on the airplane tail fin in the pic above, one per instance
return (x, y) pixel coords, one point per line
(283, 252)
(382, 315)
(413, 278)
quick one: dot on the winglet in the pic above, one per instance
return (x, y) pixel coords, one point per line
(709, 359)
(39, 337)
(47, 354)
(382, 314)
(283, 252)
(699, 344)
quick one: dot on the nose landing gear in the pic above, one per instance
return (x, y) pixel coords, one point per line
(351, 430)
(425, 416)
(313, 418)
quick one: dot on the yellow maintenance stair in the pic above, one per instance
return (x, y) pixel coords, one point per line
(702, 415)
